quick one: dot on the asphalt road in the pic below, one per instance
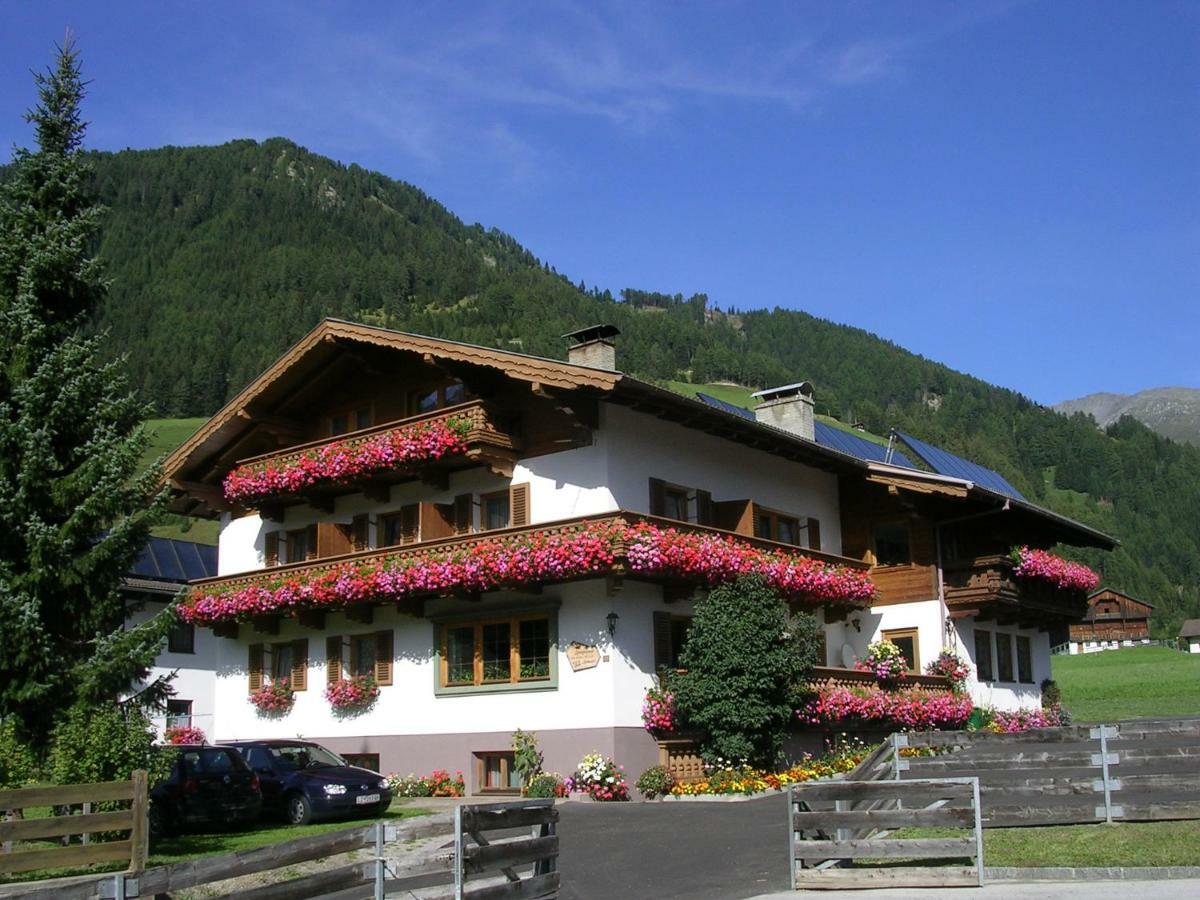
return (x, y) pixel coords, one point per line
(655, 851)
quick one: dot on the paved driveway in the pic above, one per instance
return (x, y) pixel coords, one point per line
(653, 851)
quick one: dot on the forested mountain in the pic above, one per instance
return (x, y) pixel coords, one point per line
(222, 256)
(1173, 412)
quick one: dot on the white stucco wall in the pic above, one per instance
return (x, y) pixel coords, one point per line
(1007, 695)
(195, 673)
(609, 695)
(926, 616)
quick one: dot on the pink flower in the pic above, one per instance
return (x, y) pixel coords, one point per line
(1067, 576)
(913, 708)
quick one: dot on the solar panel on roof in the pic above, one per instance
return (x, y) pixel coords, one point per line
(716, 403)
(840, 439)
(171, 560)
(945, 463)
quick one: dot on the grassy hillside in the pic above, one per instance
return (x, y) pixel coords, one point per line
(165, 436)
(1131, 683)
(220, 257)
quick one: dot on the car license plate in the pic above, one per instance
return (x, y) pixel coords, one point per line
(364, 799)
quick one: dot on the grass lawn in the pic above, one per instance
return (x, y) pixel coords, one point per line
(1130, 683)
(1123, 844)
(165, 436)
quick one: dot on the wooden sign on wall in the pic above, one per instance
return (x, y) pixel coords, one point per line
(582, 656)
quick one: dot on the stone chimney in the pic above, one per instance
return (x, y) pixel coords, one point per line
(593, 347)
(789, 408)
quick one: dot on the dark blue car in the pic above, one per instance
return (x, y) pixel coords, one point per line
(302, 781)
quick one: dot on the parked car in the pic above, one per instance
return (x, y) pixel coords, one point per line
(302, 781)
(208, 785)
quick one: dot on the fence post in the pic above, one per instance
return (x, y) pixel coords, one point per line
(898, 763)
(791, 833)
(1107, 784)
(379, 865)
(978, 828)
(139, 835)
(458, 853)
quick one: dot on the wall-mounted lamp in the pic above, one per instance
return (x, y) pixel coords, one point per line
(612, 624)
(857, 623)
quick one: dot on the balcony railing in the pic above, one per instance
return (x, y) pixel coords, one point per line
(987, 583)
(354, 461)
(606, 545)
(833, 676)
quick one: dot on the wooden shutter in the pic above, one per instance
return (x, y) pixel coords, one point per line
(662, 641)
(333, 660)
(271, 548)
(359, 527)
(735, 515)
(463, 509)
(299, 678)
(518, 505)
(814, 534)
(310, 538)
(705, 514)
(410, 523)
(658, 497)
(383, 657)
(333, 539)
(255, 666)
(437, 520)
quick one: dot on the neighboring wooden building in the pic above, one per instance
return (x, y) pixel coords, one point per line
(1189, 634)
(1112, 617)
(551, 453)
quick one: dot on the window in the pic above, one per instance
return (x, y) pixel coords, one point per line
(435, 398)
(675, 503)
(282, 659)
(906, 640)
(276, 662)
(775, 526)
(1004, 656)
(362, 760)
(179, 713)
(496, 774)
(362, 654)
(670, 637)
(494, 510)
(1024, 659)
(351, 420)
(358, 655)
(301, 545)
(496, 652)
(182, 638)
(983, 655)
(401, 527)
(891, 542)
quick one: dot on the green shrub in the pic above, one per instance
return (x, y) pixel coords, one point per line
(105, 743)
(656, 781)
(527, 758)
(746, 664)
(546, 784)
(18, 763)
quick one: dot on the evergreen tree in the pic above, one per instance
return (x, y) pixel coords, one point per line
(74, 512)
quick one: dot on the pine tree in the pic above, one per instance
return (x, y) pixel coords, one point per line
(74, 510)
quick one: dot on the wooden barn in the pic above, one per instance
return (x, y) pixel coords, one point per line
(1112, 617)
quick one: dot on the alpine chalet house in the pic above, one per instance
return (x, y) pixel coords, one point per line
(1113, 620)
(496, 541)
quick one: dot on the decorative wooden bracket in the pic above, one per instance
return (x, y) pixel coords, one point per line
(226, 630)
(312, 618)
(321, 502)
(265, 624)
(673, 593)
(377, 492)
(362, 613)
(271, 512)
(436, 478)
(613, 584)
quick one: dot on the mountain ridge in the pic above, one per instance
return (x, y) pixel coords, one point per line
(1173, 412)
(221, 257)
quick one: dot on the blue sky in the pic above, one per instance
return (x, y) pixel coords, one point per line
(1012, 188)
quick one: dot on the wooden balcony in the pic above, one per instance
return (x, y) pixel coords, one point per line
(676, 585)
(834, 676)
(985, 587)
(490, 440)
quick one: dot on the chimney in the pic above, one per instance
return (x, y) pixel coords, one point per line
(788, 408)
(593, 347)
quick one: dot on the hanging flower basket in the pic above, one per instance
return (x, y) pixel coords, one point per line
(1054, 570)
(951, 666)
(487, 564)
(352, 694)
(274, 697)
(341, 461)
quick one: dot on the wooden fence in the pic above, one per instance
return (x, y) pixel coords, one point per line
(1142, 770)
(478, 852)
(17, 829)
(833, 824)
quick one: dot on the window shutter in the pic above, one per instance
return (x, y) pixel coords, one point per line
(704, 508)
(333, 660)
(271, 548)
(658, 499)
(662, 641)
(255, 666)
(333, 539)
(463, 508)
(358, 531)
(437, 520)
(518, 505)
(299, 679)
(354, 667)
(814, 534)
(311, 537)
(383, 657)
(735, 515)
